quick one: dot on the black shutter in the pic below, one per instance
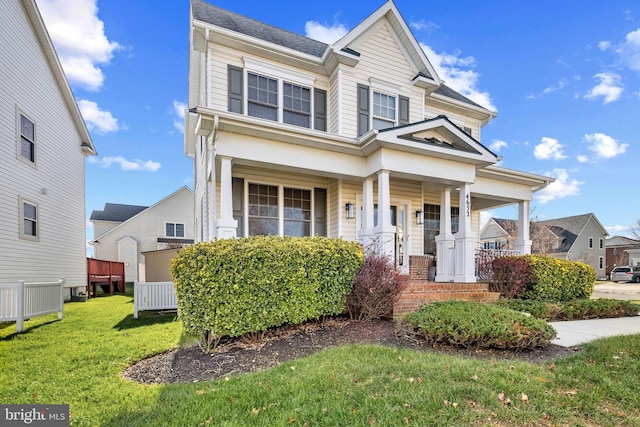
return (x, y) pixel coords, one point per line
(320, 211)
(363, 109)
(403, 118)
(320, 109)
(237, 192)
(235, 87)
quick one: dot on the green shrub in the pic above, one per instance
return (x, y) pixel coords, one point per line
(559, 280)
(470, 324)
(376, 286)
(573, 310)
(231, 287)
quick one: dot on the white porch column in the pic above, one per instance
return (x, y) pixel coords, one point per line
(384, 232)
(445, 245)
(365, 233)
(523, 242)
(465, 240)
(226, 226)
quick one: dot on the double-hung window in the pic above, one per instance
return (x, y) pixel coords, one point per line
(174, 229)
(262, 97)
(27, 143)
(384, 110)
(296, 105)
(30, 226)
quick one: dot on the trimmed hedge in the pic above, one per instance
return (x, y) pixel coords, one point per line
(542, 278)
(472, 324)
(231, 287)
(574, 310)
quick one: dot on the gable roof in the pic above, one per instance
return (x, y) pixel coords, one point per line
(614, 241)
(50, 54)
(570, 228)
(116, 212)
(141, 212)
(426, 76)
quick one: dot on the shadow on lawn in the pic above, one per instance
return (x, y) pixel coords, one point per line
(145, 318)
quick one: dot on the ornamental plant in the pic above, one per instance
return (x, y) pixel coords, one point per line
(232, 287)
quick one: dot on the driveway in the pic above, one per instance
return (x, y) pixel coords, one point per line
(620, 290)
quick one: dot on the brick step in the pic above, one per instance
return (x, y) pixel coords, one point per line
(421, 286)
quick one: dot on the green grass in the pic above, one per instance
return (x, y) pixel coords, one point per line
(79, 361)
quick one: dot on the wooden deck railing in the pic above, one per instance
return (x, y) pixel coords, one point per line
(105, 273)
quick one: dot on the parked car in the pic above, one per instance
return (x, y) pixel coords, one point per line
(624, 274)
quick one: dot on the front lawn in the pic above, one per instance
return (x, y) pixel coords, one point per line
(79, 360)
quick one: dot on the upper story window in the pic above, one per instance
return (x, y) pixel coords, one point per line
(30, 225)
(590, 242)
(384, 110)
(296, 105)
(276, 96)
(262, 95)
(174, 229)
(27, 143)
(601, 243)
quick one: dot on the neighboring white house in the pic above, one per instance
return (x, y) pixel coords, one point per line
(123, 232)
(360, 139)
(43, 145)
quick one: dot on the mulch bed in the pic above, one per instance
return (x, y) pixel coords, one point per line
(237, 356)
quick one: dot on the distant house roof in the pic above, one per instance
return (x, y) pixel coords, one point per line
(219, 17)
(116, 212)
(615, 241)
(508, 225)
(569, 228)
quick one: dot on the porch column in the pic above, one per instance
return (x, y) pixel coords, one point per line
(465, 240)
(445, 245)
(365, 234)
(523, 242)
(384, 232)
(226, 226)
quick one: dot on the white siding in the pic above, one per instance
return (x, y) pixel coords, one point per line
(145, 229)
(56, 183)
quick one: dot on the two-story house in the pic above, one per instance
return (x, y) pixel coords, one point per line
(125, 233)
(359, 139)
(43, 145)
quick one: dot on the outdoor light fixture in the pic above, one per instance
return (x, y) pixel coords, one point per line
(419, 217)
(351, 213)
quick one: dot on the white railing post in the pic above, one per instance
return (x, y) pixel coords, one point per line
(136, 299)
(20, 306)
(61, 311)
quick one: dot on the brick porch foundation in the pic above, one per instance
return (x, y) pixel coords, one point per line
(421, 290)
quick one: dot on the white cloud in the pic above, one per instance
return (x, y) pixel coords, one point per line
(79, 38)
(457, 73)
(485, 216)
(582, 158)
(604, 45)
(126, 165)
(629, 50)
(549, 148)
(604, 146)
(562, 187)
(609, 88)
(423, 25)
(179, 111)
(95, 118)
(324, 33)
(498, 145)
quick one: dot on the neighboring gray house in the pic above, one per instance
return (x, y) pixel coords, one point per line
(123, 232)
(43, 145)
(576, 238)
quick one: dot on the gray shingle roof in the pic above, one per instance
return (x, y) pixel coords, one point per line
(445, 90)
(569, 228)
(116, 212)
(217, 16)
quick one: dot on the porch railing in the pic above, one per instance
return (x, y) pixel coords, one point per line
(153, 296)
(484, 261)
(24, 300)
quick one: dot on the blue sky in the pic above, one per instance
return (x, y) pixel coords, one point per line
(564, 77)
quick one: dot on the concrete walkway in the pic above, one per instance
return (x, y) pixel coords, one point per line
(575, 332)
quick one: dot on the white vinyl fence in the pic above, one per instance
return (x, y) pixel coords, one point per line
(153, 296)
(24, 300)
